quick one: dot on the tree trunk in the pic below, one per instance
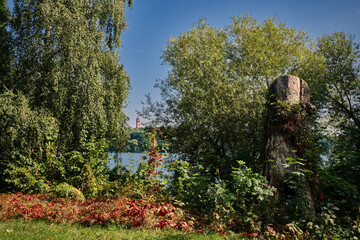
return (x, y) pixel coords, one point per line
(288, 106)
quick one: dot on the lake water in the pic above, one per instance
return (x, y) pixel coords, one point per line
(132, 160)
(129, 160)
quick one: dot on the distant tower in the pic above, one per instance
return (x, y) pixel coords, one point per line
(137, 122)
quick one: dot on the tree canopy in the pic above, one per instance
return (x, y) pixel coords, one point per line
(215, 93)
(66, 62)
(139, 140)
(5, 47)
(63, 87)
(340, 88)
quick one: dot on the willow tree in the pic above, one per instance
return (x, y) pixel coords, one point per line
(66, 63)
(5, 49)
(215, 92)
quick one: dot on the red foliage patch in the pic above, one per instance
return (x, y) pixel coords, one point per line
(129, 212)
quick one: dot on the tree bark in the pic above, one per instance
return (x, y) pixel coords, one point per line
(288, 106)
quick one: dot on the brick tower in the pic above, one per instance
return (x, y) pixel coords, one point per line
(137, 122)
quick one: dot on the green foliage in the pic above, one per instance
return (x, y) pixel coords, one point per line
(5, 46)
(64, 190)
(86, 169)
(139, 140)
(328, 224)
(297, 202)
(179, 177)
(339, 85)
(24, 136)
(62, 96)
(263, 51)
(339, 82)
(215, 93)
(196, 187)
(76, 77)
(248, 185)
(29, 157)
(234, 204)
(339, 192)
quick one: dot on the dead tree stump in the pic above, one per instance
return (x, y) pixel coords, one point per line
(288, 106)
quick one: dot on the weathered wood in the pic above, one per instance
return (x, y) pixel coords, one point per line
(288, 105)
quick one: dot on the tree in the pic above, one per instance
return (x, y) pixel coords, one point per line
(62, 92)
(341, 77)
(340, 87)
(66, 63)
(139, 140)
(214, 95)
(5, 49)
(194, 87)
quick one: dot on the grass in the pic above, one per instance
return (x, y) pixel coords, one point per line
(21, 229)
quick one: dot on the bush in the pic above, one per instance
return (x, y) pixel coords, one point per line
(85, 169)
(195, 186)
(98, 211)
(24, 135)
(64, 190)
(225, 204)
(30, 160)
(338, 192)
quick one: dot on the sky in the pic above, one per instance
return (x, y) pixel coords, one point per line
(152, 22)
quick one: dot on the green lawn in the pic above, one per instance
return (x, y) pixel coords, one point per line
(38, 230)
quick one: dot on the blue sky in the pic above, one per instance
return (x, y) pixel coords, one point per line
(152, 22)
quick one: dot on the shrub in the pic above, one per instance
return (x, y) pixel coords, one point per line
(24, 134)
(122, 211)
(64, 190)
(338, 192)
(225, 204)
